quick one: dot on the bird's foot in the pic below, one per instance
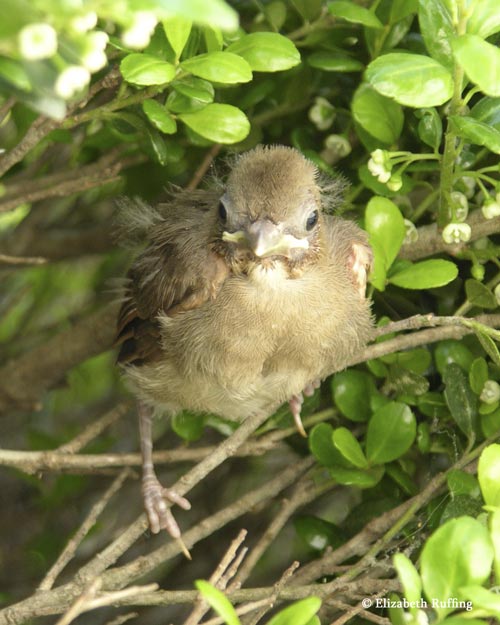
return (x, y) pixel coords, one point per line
(311, 388)
(360, 261)
(157, 501)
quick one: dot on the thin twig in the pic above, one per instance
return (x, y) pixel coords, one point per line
(352, 611)
(79, 604)
(15, 261)
(277, 589)
(204, 166)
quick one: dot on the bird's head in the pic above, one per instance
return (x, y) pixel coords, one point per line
(271, 207)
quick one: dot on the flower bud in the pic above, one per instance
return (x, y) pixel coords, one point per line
(395, 182)
(477, 272)
(322, 113)
(490, 393)
(339, 145)
(83, 23)
(455, 233)
(37, 41)
(138, 35)
(71, 80)
(411, 232)
(460, 205)
(491, 209)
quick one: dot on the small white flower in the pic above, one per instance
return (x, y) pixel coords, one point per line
(322, 113)
(71, 80)
(37, 41)
(496, 292)
(455, 233)
(379, 156)
(98, 40)
(411, 232)
(83, 23)
(469, 184)
(490, 209)
(460, 205)
(490, 393)
(94, 60)
(338, 144)
(138, 35)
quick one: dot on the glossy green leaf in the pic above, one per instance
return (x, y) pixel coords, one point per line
(159, 116)
(266, 52)
(144, 69)
(430, 128)
(334, 62)
(490, 423)
(436, 26)
(351, 394)
(461, 505)
(411, 79)
(195, 88)
(460, 399)
(409, 577)
(480, 295)
(488, 473)
(299, 613)
(487, 110)
(462, 483)
(218, 602)
(188, 426)
(489, 346)
(484, 601)
(494, 526)
(423, 436)
(484, 19)
(276, 12)
(179, 103)
(214, 41)
(481, 62)
(352, 12)
(477, 132)
(381, 117)
(385, 226)
(157, 146)
(478, 375)
(378, 273)
(317, 533)
(221, 67)
(221, 123)
(391, 432)
(321, 445)
(308, 9)
(349, 447)
(457, 554)
(427, 274)
(215, 13)
(177, 30)
(452, 351)
(357, 477)
(14, 73)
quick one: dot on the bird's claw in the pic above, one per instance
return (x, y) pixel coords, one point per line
(157, 502)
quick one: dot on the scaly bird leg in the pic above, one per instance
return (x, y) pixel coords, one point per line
(157, 499)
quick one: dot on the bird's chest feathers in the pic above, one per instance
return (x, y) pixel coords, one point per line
(270, 288)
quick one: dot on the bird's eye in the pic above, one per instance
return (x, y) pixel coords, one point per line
(312, 220)
(222, 212)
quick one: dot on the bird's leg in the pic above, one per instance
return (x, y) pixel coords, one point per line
(157, 499)
(360, 261)
(311, 388)
(295, 403)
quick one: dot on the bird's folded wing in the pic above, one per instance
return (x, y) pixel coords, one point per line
(178, 271)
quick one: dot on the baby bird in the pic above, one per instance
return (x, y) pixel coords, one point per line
(242, 299)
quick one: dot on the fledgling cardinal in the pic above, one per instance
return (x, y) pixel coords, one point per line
(244, 297)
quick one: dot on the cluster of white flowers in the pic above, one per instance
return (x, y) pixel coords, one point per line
(380, 166)
(455, 233)
(490, 393)
(37, 41)
(138, 34)
(94, 58)
(322, 113)
(491, 208)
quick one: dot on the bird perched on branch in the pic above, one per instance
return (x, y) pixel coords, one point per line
(243, 298)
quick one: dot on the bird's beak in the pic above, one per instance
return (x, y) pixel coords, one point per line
(265, 238)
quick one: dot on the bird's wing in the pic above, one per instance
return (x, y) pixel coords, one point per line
(177, 271)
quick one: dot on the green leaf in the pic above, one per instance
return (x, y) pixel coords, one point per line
(321, 445)
(391, 432)
(460, 399)
(488, 473)
(484, 601)
(349, 447)
(188, 426)
(299, 613)
(177, 29)
(354, 13)
(218, 601)
(462, 483)
(494, 525)
(386, 229)
(215, 13)
(159, 116)
(221, 123)
(479, 295)
(409, 577)
(356, 477)
(351, 394)
(476, 132)
(430, 128)
(457, 554)
(144, 69)
(485, 19)
(487, 110)
(451, 351)
(489, 346)
(427, 274)
(334, 62)
(195, 89)
(411, 79)
(481, 62)
(380, 117)
(266, 52)
(222, 67)
(436, 26)
(308, 9)
(14, 73)
(214, 40)
(157, 146)
(317, 533)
